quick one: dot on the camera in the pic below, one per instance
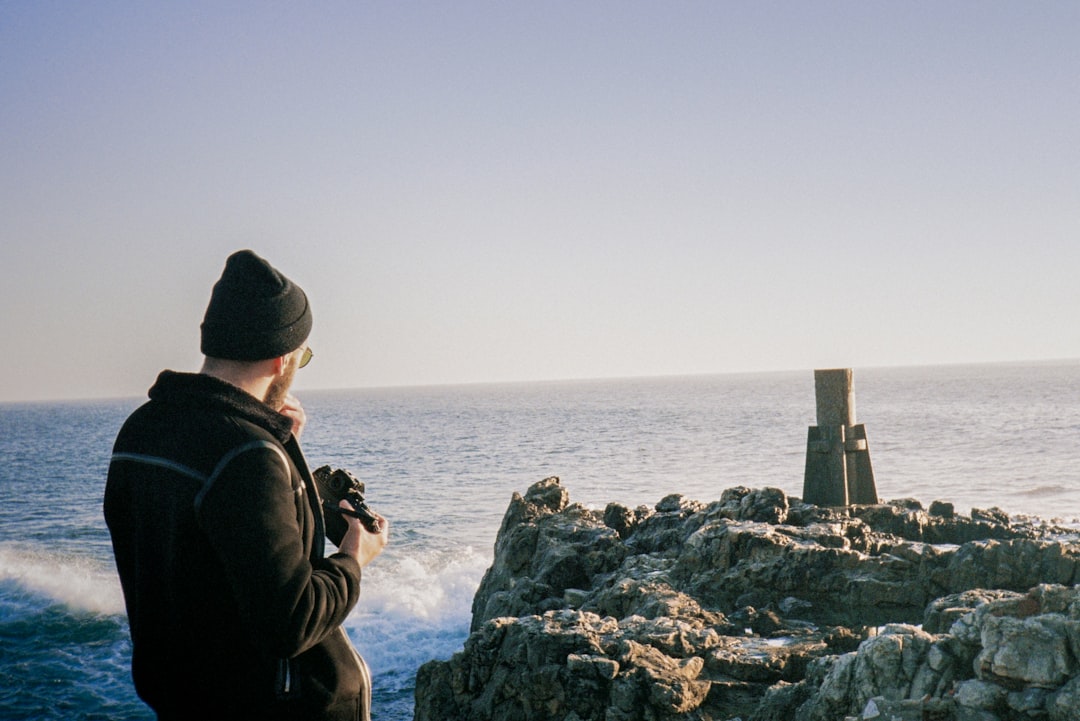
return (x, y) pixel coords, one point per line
(335, 484)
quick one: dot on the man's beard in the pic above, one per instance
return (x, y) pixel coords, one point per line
(279, 387)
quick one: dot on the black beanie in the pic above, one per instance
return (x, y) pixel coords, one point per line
(255, 312)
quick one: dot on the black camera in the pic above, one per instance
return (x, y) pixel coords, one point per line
(335, 485)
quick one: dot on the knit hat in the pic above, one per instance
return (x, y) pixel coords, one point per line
(255, 312)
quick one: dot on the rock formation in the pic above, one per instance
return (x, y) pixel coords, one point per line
(763, 608)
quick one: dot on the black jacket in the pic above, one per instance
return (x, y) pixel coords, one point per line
(218, 537)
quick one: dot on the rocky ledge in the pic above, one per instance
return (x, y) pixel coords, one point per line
(762, 608)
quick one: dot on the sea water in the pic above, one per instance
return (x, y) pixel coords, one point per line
(443, 462)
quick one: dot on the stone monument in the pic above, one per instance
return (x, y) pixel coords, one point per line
(838, 470)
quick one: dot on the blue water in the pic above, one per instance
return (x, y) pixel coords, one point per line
(442, 463)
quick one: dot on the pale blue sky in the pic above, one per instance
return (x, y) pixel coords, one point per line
(521, 190)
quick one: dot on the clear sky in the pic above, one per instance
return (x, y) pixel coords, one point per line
(510, 191)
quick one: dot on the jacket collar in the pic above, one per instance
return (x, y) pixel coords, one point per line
(204, 392)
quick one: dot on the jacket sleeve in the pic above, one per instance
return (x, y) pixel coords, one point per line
(248, 511)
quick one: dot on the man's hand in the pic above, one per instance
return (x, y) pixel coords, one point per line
(360, 543)
(292, 410)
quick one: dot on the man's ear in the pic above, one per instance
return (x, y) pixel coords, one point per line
(279, 364)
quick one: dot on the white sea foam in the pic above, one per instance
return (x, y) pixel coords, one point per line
(415, 608)
(81, 584)
(423, 586)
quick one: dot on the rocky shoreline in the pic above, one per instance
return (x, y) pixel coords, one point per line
(762, 608)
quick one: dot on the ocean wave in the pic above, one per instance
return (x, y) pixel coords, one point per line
(1042, 491)
(427, 586)
(414, 609)
(79, 583)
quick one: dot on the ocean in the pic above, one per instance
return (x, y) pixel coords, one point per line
(443, 462)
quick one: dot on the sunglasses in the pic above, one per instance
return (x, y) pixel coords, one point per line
(306, 358)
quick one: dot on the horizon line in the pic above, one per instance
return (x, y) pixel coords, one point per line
(577, 379)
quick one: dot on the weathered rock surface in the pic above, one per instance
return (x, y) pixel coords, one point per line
(763, 608)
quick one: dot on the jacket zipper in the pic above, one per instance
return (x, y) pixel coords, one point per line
(365, 674)
(285, 681)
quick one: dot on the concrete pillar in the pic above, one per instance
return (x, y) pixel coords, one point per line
(838, 470)
(835, 391)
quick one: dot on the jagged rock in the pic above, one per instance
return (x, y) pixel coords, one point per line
(780, 700)
(767, 505)
(620, 519)
(880, 708)
(994, 515)
(942, 509)
(544, 548)
(1061, 705)
(762, 607)
(943, 612)
(1028, 703)
(981, 696)
(1024, 652)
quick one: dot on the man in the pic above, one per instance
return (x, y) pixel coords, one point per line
(217, 527)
